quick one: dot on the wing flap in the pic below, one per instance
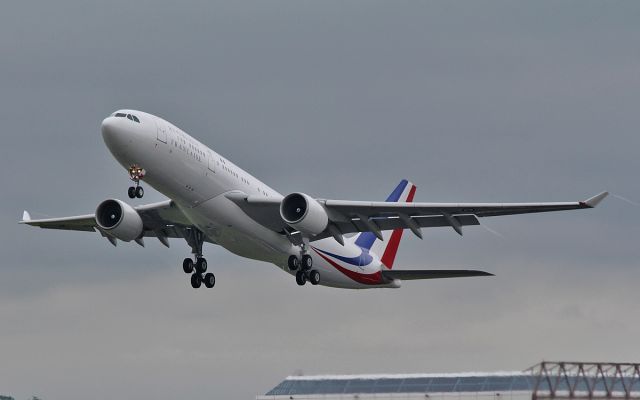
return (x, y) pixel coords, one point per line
(432, 274)
(394, 222)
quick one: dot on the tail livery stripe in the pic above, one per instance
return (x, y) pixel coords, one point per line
(362, 260)
(366, 239)
(394, 242)
(365, 279)
(397, 192)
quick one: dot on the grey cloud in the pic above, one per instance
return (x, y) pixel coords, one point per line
(477, 101)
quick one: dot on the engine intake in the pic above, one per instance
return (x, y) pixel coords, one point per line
(304, 213)
(119, 219)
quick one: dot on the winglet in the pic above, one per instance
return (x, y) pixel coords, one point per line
(595, 200)
(26, 216)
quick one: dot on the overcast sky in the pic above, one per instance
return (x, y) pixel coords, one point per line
(471, 100)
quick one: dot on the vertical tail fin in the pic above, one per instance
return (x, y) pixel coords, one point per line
(388, 248)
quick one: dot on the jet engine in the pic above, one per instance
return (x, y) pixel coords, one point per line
(119, 219)
(304, 213)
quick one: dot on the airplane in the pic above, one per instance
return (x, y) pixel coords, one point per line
(335, 243)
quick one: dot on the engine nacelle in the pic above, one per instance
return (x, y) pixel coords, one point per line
(304, 213)
(119, 219)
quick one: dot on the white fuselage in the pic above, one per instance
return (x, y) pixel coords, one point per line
(197, 178)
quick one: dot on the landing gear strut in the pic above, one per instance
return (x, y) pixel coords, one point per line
(135, 174)
(195, 239)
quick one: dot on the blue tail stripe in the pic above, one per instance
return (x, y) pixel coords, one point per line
(362, 260)
(366, 239)
(395, 195)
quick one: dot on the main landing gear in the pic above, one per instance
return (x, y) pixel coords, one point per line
(198, 269)
(304, 262)
(135, 174)
(305, 273)
(195, 239)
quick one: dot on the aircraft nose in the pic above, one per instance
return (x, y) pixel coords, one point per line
(108, 126)
(113, 133)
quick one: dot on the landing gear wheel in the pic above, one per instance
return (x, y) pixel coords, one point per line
(196, 281)
(314, 277)
(293, 262)
(307, 262)
(131, 192)
(301, 278)
(187, 265)
(201, 266)
(139, 192)
(209, 280)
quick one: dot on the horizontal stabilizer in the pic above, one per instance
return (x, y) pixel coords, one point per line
(432, 274)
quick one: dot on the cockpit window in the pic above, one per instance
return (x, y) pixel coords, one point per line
(130, 117)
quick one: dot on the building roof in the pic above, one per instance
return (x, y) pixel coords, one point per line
(408, 383)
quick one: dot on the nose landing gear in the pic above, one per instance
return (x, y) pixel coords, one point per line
(135, 191)
(135, 174)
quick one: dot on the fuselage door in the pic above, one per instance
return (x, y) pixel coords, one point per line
(162, 131)
(211, 162)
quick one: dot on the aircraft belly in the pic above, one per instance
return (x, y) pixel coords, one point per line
(226, 224)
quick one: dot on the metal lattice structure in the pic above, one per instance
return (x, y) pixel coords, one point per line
(581, 380)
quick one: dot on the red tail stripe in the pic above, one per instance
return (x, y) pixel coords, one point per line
(392, 248)
(412, 193)
(390, 252)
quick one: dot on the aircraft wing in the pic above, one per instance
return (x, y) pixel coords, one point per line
(347, 216)
(162, 220)
(359, 216)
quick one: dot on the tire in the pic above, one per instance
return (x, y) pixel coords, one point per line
(293, 262)
(201, 266)
(131, 192)
(301, 278)
(139, 192)
(196, 281)
(314, 277)
(209, 280)
(187, 265)
(307, 262)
